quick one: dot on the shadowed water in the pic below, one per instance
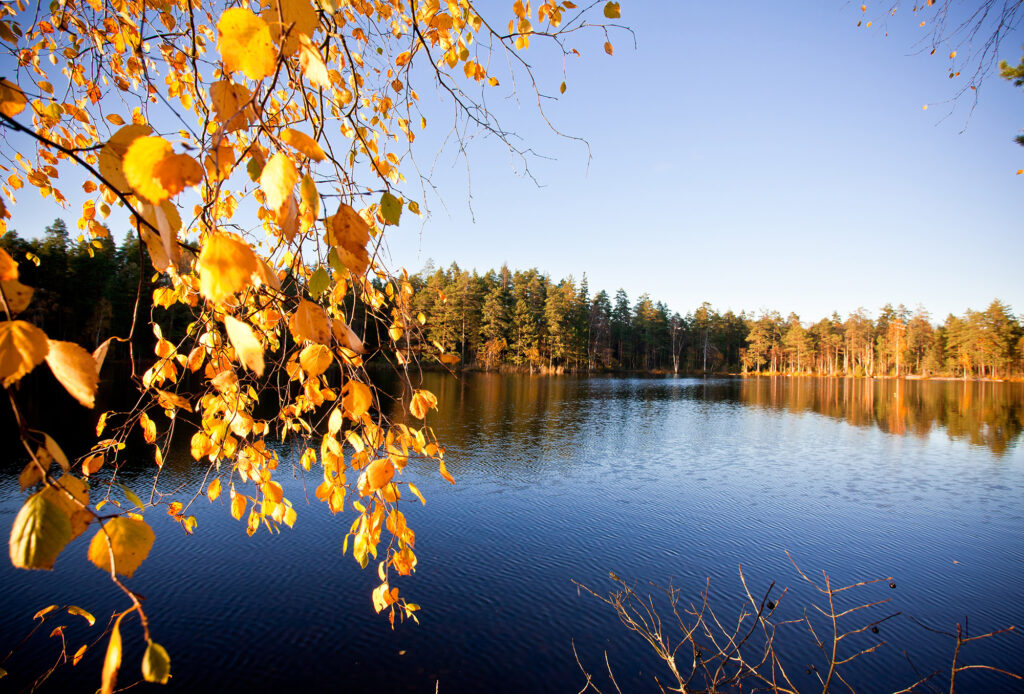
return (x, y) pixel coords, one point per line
(561, 479)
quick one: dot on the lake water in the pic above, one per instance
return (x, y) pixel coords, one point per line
(561, 478)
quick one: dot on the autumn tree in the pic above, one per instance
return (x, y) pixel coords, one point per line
(257, 153)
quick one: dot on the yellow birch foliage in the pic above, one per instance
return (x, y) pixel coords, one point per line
(191, 124)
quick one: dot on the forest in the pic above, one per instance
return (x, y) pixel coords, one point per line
(525, 320)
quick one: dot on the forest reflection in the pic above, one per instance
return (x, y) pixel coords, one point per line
(528, 408)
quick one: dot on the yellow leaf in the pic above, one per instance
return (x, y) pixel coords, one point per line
(312, 64)
(129, 539)
(231, 104)
(611, 10)
(273, 491)
(12, 99)
(238, 506)
(449, 358)
(247, 345)
(309, 322)
(140, 167)
(422, 402)
(213, 491)
(115, 119)
(295, 16)
(75, 506)
(608, 47)
(17, 295)
(112, 660)
(22, 347)
(315, 359)
(226, 264)
(415, 490)
(169, 401)
(40, 531)
(84, 614)
(75, 369)
(308, 193)
(309, 458)
(8, 267)
(278, 179)
(245, 45)
(304, 144)
(111, 160)
(156, 664)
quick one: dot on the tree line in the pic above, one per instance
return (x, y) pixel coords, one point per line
(505, 319)
(526, 319)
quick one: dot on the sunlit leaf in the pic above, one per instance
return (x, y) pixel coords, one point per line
(130, 541)
(315, 359)
(111, 158)
(312, 64)
(213, 490)
(8, 267)
(23, 346)
(112, 660)
(76, 370)
(379, 473)
(247, 345)
(422, 402)
(231, 104)
(226, 265)
(17, 295)
(612, 10)
(309, 323)
(356, 399)
(245, 44)
(140, 167)
(303, 143)
(12, 99)
(84, 614)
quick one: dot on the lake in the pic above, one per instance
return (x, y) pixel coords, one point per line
(562, 479)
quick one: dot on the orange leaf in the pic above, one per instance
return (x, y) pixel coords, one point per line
(12, 99)
(8, 267)
(231, 104)
(379, 473)
(422, 402)
(356, 399)
(22, 347)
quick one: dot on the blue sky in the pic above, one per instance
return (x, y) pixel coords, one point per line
(762, 156)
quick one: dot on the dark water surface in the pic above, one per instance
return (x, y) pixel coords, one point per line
(560, 479)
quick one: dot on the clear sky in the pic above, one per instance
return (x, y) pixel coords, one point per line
(754, 155)
(761, 155)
